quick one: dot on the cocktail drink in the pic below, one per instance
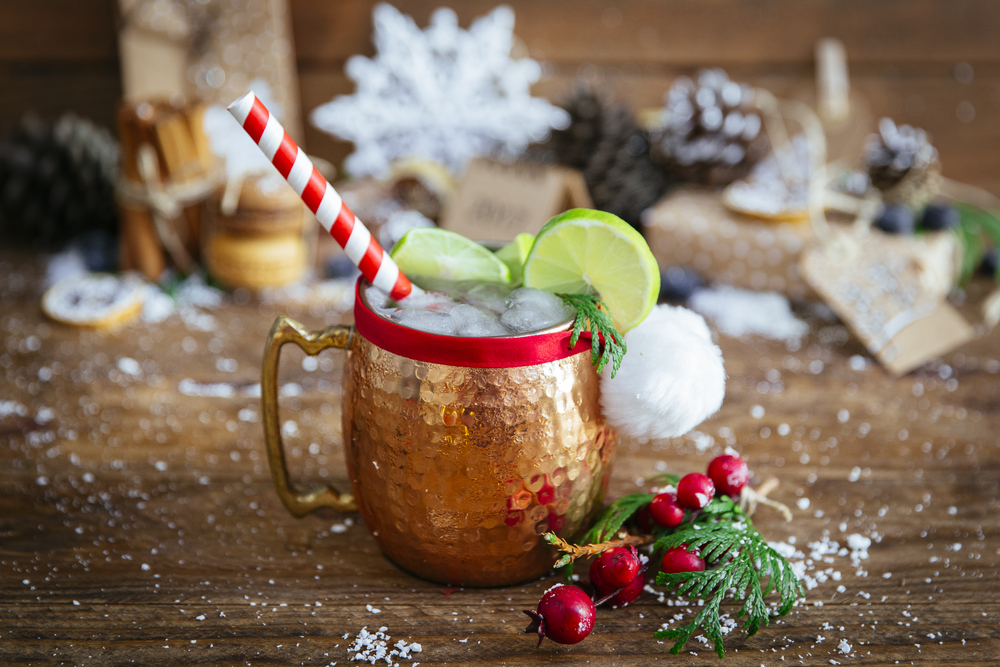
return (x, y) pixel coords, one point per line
(461, 451)
(472, 420)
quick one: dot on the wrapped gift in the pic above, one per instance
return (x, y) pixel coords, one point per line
(692, 227)
(210, 50)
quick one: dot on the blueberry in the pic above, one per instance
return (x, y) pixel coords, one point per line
(340, 266)
(895, 219)
(938, 217)
(990, 261)
(677, 283)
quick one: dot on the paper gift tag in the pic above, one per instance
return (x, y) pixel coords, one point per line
(496, 201)
(880, 288)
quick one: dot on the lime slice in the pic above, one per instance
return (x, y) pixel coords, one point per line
(430, 252)
(583, 251)
(514, 253)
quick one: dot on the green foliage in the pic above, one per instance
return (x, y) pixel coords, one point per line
(976, 226)
(592, 315)
(740, 559)
(666, 479)
(615, 514)
(605, 528)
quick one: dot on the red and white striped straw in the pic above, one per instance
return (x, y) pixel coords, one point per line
(320, 197)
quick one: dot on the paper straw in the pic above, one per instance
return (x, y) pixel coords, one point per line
(293, 164)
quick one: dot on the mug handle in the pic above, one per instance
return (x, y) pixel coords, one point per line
(287, 330)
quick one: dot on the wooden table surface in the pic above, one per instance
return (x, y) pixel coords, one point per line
(138, 524)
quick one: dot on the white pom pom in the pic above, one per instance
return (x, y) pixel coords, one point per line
(671, 379)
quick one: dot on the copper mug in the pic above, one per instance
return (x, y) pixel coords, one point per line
(462, 452)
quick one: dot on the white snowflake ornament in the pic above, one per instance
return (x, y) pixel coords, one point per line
(443, 93)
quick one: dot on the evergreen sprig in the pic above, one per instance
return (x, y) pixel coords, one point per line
(592, 315)
(976, 227)
(740, 562)
(741, 559)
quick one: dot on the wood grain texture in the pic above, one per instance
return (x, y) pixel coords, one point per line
(138, 523)
(689, 32)
(57, 55)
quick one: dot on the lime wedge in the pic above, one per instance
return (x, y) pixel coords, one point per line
(583, 251)
(514, 253)
(430, 252)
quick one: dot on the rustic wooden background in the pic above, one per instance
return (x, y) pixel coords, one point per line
(138, 524)
(909, 58)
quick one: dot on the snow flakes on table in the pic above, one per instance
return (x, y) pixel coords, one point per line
(738, 313)
(373, 647)
(442, 93)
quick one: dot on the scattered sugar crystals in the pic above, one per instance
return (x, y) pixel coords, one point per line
(373, 647)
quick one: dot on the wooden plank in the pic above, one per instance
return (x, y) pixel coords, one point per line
(138, 524)
(49, 90)
(58, 30)
(690, 32)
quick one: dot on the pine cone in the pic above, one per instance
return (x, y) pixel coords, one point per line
(902, 163)
(712, 131)
(57, 181)
(604, 142)
(620, 175)
(574, 146)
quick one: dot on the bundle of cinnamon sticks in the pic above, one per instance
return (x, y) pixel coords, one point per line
(167, 171)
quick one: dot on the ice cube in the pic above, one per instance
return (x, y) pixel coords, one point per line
(435, 301)
(426, 320)
(489, 296)
(471, 321)
(379, 300)
(530, 310)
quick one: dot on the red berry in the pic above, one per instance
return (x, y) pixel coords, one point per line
(729, 473)
(596, 580)
(679, 559)
(665, 510)
(694, 491)
(630, 592)
(617, 567)
(565, 615)
(643, 521)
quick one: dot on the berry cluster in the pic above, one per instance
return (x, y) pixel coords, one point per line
(901, 219)
(618, 575)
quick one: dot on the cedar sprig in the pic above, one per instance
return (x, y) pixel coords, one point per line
(573, 551)
(741, 560)
(592, 315)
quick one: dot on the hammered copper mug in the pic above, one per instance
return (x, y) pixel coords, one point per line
(461, 452)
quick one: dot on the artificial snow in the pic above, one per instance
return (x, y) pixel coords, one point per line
(738, 313)
(374, 647)
(769, 190)
(671, 379)
(442, 93)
